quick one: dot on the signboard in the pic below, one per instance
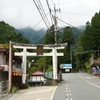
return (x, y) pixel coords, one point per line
(39, 50)
(66, 66)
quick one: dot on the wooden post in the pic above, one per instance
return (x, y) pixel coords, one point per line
(10, 66)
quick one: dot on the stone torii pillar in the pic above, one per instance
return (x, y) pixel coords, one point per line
(54, 59)
(24, 66)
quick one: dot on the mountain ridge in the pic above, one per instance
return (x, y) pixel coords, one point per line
(35, 36)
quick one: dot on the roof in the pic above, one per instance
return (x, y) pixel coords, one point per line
(2, 48)
(37, 73)
(1, 67)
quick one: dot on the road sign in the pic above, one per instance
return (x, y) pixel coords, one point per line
(64, 66)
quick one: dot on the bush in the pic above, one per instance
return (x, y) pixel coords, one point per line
(14, 89)
(87, 67)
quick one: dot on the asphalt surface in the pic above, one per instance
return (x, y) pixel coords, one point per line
(78, 86)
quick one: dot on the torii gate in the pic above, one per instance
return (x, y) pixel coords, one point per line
(39, 48)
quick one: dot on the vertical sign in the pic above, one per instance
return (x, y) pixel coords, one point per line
(39, 50)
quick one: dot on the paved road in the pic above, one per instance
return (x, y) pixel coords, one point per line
(78, 86)
(33, 93)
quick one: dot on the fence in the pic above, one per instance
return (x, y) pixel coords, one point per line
(4, 87)
(49, 75)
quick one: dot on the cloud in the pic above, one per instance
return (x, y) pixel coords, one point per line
(23, 13)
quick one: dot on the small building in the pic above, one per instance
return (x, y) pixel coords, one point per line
(37, 78)
(95, 67)
(4, 68)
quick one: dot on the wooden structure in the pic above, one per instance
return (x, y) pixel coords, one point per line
(36, 78)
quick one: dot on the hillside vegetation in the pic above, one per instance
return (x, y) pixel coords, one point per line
(7, 33)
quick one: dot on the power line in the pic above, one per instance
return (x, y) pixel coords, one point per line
(87, 51)
(77, 14)
(52, 2)
(70, 25)
(51, 16)
(42, 12)
(69, 2)
(39, 21)
(59, 8)
(33, 27)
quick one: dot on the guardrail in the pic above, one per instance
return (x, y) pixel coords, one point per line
(4, 87)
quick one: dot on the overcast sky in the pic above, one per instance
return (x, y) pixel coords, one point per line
(23, 13)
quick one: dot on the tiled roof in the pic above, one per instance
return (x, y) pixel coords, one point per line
(2, 48)
(1, 67)
(37, 73)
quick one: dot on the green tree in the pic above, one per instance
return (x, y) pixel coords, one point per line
(50, 36)
(7, 33)
(90, 40)
(68, 37)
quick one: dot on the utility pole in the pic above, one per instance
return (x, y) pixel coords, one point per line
(55, 24)
(55, 65)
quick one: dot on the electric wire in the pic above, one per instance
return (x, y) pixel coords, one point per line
(59, 9)
(77, 14)
(51, 16)
(69, 2)
(39, 22)
(52, 2)
(44, 16)
(42, 12)
(71, 25)
(33, 28)
(87, 51)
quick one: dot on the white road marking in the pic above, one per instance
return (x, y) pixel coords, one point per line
(66, 90)
(68, 93)
(88, 77)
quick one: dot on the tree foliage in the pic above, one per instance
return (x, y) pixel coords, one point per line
(50, 36)
(68, 37)
(90, 39)
(7, 33)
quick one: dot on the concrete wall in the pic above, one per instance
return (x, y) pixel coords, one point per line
(3, 76)
(1, 58)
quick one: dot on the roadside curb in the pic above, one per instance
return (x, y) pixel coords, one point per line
(52, 94)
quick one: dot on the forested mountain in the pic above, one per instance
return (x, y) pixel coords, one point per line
(77, 31)
(34, 36)
(37, 37)
(7, 33)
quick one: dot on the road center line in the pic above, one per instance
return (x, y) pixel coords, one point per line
(88, 81)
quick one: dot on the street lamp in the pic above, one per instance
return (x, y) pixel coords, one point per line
(30, 63)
